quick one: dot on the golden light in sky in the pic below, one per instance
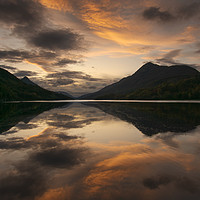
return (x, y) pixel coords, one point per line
(88, 36)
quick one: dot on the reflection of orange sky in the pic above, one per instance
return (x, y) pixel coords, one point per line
(38, 134)
(121, 175)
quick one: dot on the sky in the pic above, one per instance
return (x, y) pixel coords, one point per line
(80, 46)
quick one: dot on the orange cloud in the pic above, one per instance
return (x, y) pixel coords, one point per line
(121, 25)
(35, 64)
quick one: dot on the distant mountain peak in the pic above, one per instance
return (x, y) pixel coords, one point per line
(25, 78)
(14, 89)
(146, 67)
(149, 64)
(27, 81)
(150, 75)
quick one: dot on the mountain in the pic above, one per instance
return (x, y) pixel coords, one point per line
(151, 77)
(154, 118)
(28, 81)
(66, 94)
(13, 113)
(14, 89)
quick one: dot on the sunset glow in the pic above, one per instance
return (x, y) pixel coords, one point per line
(71, 35)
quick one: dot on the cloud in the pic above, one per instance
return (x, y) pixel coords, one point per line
(21, 13)
(8, 67)
(29, 176)
(13, 55)
(198, 48)
(189, 10)
(65, 61)
(22, 73)
(121, 21)
(29, 21)
(59, 158)
(154, 13)
(56, 82)
(25, 126)
(154, 183)
(42, 59)
(55, 140)
(168, 58)
(72, 74)
(22, 184)
(63, 39)
(184, 183)
(74, 82)
(68, 122)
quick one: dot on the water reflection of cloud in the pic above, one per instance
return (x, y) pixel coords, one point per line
(75, 116)
(26, 181)
(42, 155)
(131, 171)
(48, 138)
(140, 174)
(57, 165)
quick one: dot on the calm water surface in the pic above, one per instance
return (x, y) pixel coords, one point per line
(100, 151)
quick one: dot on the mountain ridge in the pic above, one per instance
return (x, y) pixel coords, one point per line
(14, 89)
(26, 80)
(148, 76)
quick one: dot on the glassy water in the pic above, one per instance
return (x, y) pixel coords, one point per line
(99, 151)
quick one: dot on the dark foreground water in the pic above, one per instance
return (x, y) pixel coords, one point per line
(100, 151)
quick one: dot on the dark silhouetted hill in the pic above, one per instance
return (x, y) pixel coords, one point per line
(14, 89)
(154, 118)
(152, 81)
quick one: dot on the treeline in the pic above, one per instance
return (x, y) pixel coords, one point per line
(187, 89)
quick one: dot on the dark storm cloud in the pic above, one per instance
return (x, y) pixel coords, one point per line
(63, 39)
(25, 73)
(63, 62)
(21, 13)
(154, 13)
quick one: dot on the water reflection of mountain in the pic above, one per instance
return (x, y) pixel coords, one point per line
(153, 118)
(13, 113)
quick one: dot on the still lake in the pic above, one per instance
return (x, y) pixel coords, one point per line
(95, 150)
